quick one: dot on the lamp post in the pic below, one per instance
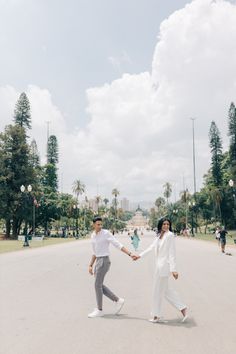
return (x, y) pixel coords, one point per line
(76, 209)
(85, 212)
(175, 212)
(29, 189)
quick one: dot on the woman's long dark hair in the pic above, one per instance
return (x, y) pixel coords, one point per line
(160, 223)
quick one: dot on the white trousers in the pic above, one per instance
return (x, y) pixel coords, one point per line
(162, 290)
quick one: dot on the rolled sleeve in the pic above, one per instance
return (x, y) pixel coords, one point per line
(114, 241)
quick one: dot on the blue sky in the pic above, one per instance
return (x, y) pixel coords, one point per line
(119, 80)
(65, 46)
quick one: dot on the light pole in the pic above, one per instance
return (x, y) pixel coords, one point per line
(85, 211)
(194, 156)
(76, 209)
(175, 212)
(29, 189)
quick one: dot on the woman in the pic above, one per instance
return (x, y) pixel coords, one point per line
(135, 240)
(164, 246)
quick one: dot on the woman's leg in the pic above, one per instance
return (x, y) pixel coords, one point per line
(159, 290)
(173, 298)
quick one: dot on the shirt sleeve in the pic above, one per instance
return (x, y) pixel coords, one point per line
(114, 241)
(172, 255)
(149, 249)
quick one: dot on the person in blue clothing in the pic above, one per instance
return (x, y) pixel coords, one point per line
(135, 239)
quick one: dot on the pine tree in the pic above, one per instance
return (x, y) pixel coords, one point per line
(22, 116)
(216, 154)
(15, 170)
(232, 135)
(50, 180)
(52, 150)
(34, 154)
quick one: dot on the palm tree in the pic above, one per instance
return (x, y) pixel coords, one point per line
(105, 201)
(78, 188)
(167, 191)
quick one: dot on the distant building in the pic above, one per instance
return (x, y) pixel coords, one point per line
(124, 204)
(93, 204)
(138, 221)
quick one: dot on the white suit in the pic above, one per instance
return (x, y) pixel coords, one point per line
(165, 264)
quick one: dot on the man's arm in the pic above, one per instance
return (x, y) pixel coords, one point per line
(93, 259)
(123, 249)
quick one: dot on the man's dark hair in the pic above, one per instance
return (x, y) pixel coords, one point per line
(97, 218)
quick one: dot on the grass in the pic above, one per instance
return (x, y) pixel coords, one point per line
(211, 237)
(15, 245)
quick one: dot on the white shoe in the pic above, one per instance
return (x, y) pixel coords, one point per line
(96, 313)
(119, 305)
(157, 320)
(184, 318)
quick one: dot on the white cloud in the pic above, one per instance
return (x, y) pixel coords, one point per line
(119, 61)
(139, 133)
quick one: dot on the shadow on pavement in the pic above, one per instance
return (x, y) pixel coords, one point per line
(190, 323)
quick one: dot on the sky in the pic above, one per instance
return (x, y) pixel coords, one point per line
(119, 82)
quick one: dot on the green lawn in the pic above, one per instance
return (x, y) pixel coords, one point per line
(14, 245)
(211, 237)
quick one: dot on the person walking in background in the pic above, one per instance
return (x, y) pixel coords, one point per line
(217, 235)
(101, 240)
(135, 240)
(164, 246)
(223, 234)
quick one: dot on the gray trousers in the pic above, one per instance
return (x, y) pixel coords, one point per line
(101, 268)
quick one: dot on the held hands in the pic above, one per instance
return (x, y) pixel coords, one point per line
(134, 257)
(175, 275)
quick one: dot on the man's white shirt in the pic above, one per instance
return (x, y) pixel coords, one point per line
(101, 242)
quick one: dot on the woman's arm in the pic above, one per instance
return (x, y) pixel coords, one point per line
(149, 249)
(172, 255)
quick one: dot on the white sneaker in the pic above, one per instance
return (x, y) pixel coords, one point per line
(119, 305)
(157, 320)
(96, 313)
(184, 319)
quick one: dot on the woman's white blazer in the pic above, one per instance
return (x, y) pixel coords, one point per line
(165, 254)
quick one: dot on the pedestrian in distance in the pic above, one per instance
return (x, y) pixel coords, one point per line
(165, 256)
(101, 240)
(217, 235)
(135, 240)
(223, 234)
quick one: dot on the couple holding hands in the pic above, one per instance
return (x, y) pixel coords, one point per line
(165, 257)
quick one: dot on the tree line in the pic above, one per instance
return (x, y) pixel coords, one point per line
(29, 196)
(215, 203)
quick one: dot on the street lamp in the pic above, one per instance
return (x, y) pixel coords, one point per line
(175, 212)
(76, 208)
(29, 189)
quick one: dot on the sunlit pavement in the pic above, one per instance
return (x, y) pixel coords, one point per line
(46, 294)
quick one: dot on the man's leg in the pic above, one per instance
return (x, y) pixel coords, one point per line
(106, 291)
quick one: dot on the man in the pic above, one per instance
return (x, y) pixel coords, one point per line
(101, 240)
(223, 234)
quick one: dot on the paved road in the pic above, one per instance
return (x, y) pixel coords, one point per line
(46, 294)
